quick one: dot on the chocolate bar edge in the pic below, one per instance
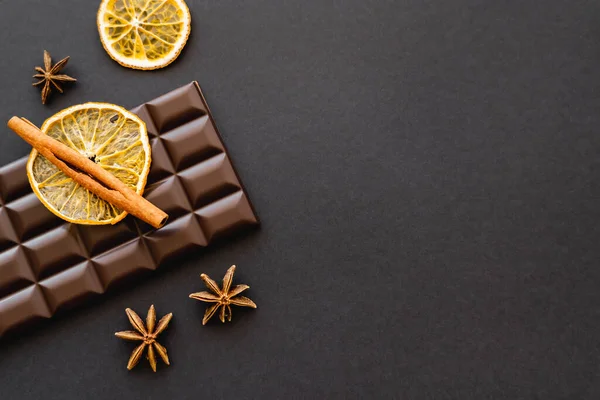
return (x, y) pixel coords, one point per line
(233, 165)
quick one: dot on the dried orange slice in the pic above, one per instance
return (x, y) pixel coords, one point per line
(144, 34)
(109, 135)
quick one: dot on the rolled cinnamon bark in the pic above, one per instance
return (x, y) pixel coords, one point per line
(88, 174)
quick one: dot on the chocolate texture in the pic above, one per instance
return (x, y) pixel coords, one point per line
(47, 265)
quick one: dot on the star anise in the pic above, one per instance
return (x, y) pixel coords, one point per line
(49, 75)
(222, 297)
(148, 335)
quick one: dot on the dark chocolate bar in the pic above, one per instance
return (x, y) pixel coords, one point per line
(47, 265)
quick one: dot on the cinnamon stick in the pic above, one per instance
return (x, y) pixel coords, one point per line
(88, 174)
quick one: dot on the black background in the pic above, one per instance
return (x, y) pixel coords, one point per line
(426, 172)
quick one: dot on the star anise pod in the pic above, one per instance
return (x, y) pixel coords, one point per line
(147, 334)
(49, 75)
(222, 297)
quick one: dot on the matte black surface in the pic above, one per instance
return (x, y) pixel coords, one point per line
(426, 172)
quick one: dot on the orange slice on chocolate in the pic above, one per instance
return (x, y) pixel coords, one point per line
(108, 135)
(144, 34)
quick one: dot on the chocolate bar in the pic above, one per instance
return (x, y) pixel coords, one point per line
(47, 265)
